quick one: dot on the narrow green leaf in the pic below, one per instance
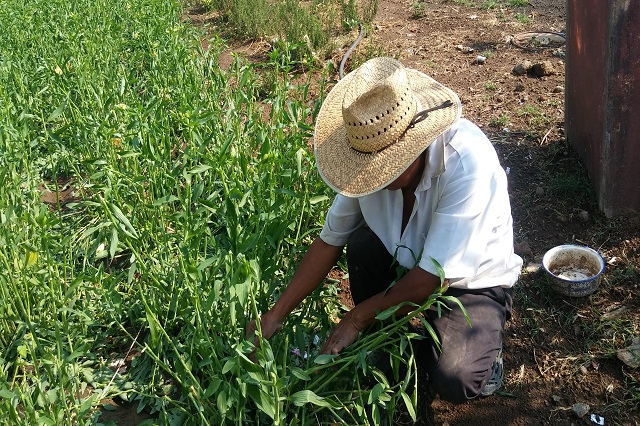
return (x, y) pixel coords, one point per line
(165, 200)
(113, 246)
(324, 359)
(306, 396)
(57, 112)
(199, 169)
(300, 374)
(123, 219)
(318, 199)
(410, 408)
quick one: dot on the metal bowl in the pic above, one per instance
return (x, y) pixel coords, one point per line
(573, 270)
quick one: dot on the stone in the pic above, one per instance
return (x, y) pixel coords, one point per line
(533, 268)
(522, 68)
(558, 89)
(581, 409)
(539, 191)
(519, 87)
(630, 355)
(542, 69)
(522, 249)
(584, 216)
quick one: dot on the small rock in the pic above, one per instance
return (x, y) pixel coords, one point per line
(522, 68)
(584, 370)
(519, 87)
(581, 409)
(556, 398)
(630, 356)
(539, 191)
(560, 53)
(522, 249)
(584, 216)
(464, 49)
(532, 268)
(542, 69)
(558, 89)
(480, 59)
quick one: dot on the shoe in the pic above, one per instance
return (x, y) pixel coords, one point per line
(495, 381)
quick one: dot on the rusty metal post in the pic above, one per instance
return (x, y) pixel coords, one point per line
(602, 100)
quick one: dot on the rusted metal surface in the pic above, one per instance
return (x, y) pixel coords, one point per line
(602, 115)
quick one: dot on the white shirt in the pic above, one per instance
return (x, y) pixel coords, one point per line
(461, 216)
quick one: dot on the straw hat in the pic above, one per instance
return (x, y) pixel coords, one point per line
(376, 121)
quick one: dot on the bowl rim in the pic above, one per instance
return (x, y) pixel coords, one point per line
(587, 249)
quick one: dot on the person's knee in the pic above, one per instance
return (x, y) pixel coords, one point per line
(454, 384)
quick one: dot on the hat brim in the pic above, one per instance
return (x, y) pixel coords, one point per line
(355, 174)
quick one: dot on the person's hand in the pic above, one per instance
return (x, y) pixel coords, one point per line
(269, 326)
(344, 334)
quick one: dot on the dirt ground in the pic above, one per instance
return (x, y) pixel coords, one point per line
(560, 353)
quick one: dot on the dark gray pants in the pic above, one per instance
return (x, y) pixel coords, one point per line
(463, 366)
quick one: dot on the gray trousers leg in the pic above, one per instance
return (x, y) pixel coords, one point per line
(462, 366)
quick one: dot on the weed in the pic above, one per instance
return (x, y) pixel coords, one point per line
(489, 4)
(536, 117)
(418, 9)
(523, 18)
(491, 86)
(500, 121)
(568, 184)
(468, 3)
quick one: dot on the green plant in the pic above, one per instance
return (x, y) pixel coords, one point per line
(535, 116)
(523, 18)
(418, 9)
(489, 4)
(468, 3)
(500, 121)
(491, 86)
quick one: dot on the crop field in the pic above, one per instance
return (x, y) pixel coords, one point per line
(150, 205)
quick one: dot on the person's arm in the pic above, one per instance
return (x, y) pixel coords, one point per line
(314, 267)
(416, 286)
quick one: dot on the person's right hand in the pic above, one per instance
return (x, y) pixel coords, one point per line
(269, 325)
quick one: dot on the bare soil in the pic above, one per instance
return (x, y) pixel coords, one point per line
(560, 353)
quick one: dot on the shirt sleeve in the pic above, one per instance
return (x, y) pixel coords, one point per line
(344, 217)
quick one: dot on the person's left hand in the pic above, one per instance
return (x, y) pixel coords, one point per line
(344, 334)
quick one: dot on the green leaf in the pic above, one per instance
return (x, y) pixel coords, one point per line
(306, 396)
(57, 112)
(324, 359)
(228, 366)
(439, 269)
(300, 374)
(6, 394)
(388, 313)
(263, 400)
(123, 219)
(113, 247)
(318, 199)
(31, 258)
(199, 169)
(165, 200)
(410, 408)
(212, 388)
(22, 351)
